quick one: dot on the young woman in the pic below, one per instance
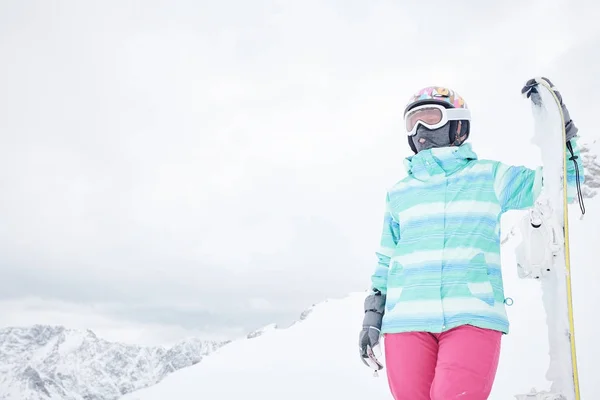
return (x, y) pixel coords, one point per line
(437, 293)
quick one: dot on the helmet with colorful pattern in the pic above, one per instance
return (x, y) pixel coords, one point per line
(447, 98)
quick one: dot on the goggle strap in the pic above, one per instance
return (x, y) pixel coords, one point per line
(455, 114)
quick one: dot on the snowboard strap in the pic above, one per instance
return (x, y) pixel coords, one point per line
(577, 178)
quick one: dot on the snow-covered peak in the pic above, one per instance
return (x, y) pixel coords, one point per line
(53, 362)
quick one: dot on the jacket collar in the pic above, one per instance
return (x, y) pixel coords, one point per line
(442, 161)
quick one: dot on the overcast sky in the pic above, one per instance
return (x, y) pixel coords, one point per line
(208, 167)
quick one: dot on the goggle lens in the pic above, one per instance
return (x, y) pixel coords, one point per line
(428, 116)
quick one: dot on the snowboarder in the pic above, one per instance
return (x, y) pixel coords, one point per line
(437, 295)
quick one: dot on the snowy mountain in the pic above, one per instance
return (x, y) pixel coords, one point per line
(317, 357)
(52, 362)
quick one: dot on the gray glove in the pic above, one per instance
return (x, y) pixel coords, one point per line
(370, 349)
(530, 91)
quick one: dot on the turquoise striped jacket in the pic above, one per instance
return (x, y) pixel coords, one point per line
(439, 260)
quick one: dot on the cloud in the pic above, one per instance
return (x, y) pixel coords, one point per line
(30, 310)
(216, 165)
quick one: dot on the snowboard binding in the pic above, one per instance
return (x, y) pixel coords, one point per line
(540, 242)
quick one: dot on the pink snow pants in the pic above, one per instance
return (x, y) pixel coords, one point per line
(457, 364)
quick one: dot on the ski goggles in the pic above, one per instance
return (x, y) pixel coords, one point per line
(433, 116)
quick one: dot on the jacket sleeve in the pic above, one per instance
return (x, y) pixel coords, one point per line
(389, 239)
(518, 187)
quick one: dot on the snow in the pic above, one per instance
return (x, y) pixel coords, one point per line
(314, 358)
(42, 353)
(317, 357)
(72, 342)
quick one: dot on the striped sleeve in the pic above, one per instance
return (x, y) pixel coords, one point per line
(516, 187)
(389, 239)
